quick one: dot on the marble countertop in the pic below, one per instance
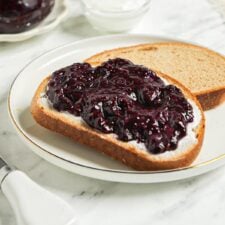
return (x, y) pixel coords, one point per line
(200, 200)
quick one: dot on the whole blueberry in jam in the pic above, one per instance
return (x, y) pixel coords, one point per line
(123, 98)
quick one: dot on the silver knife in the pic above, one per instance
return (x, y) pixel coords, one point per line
(32, 204)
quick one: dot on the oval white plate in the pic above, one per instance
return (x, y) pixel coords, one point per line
(64, 153)
(55, 17)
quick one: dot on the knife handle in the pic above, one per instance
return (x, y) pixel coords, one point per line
(32, 204)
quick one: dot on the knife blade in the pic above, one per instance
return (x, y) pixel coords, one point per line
(2, 163)
(4, 170)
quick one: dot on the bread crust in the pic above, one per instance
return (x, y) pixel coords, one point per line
(208, 99)
(108, 145)
(212, 99)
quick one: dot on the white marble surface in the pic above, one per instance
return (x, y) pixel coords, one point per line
(200, 200)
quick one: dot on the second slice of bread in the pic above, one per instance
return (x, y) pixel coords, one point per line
(201, 70)
(127, 153)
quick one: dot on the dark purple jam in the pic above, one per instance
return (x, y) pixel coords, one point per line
(122, 98)
(21, 15)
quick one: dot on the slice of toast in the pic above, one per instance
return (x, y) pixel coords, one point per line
(129, 154)
(201, 70)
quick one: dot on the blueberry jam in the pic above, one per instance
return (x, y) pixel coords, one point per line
(20, 15)
(123, 98)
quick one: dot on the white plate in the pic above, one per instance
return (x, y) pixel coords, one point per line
(82, 160)
(55, 17)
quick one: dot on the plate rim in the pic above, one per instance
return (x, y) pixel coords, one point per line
(21, 132)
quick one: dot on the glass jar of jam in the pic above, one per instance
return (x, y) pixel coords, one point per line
(21, 15)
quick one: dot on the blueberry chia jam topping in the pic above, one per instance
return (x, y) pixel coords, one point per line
(123, 98)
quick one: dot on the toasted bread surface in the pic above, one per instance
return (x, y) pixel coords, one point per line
(201, 70)
(108, 144)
